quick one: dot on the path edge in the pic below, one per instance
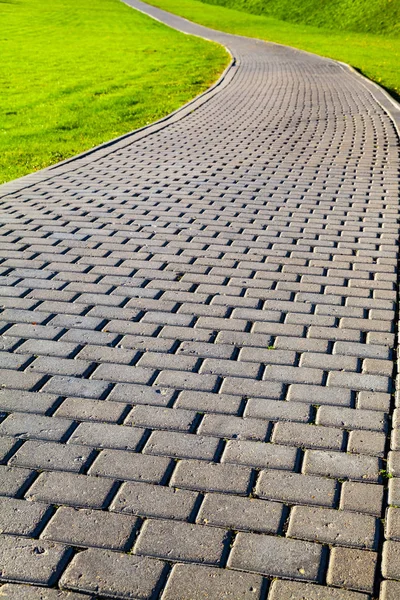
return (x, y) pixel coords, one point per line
(126, 139)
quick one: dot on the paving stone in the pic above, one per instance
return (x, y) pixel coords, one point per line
(195, 582)
(307, 436)
(293, 590)
(211, 477)
(194, 543)
(234, 427)
(104, 435)
(28, 592)
(19, 517)
(160, 418)
(394, 491)
(23, 426)
(26, 402)
(113, 574)
(352, 569)
(333, 527)
(362, 497)
(276, 410)
(319, 395)
(390, 590)
(259, 455)
(181, 445)
(209, 402)
(50, 455)
(128, 465)
(14, 481)
(367, 442)
(335, 464)
(275, 556)
(294, 488)
(83, 409)
(351, 418)
(391, 560)
(68, 488)
(246, 514)
(154, 501)
(95, 528)
(31, 561)
(141, 394)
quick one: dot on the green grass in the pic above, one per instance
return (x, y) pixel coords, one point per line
(76, 73)
(375, 55)
(367, 16)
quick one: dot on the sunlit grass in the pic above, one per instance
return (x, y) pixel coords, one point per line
(76, 73)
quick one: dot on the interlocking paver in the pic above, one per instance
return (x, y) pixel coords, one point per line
(197, 349)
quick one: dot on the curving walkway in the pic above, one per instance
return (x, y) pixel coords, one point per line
(197, 349)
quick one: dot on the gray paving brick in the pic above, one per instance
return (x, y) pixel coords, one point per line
(319, 395)
(68, 488)
(161, 418)
(259, 455)
(335, 464)
(277, 410)
(391, 560)
(351, 419)
(193, 543)
(141, 394)
(293, 590)
(113, 574)
(14, 481)
(208, 402)
(23, 426)
(24, 560)
(50, 455)
(294, 488)
(211, 477)
(307, 436)
(19, 517)
(234, 427)
(275, 556)
(390, 590)
(362, 497)
(181, 445)
(246, 514)
(28, 402)
(87, 527)
(14, 591)
(154, 501)
(333, 527)
(82, 409)
(367, 442)
(190, 582)
(72, 386)
(128, 465)
(104, 435)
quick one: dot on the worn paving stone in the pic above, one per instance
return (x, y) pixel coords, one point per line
(247, 514)
(86, 527)
(19, 517)
(31, 561)
(276, 556)
(113, 574)
(29, 592)
(154, 501)
(352, 569)
(193, 543)
(293, 590)
(195, 582)
(333, 527)
(198, 328)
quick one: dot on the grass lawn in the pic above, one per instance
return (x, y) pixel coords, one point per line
(76, 73)
(376, 55)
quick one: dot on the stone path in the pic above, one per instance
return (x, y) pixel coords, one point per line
(197, 350)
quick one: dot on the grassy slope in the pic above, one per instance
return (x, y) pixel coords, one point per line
(376, 56)
(367, 16)
(75, 73)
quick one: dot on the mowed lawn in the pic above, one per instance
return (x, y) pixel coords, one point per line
(376, 55)
(76, 73)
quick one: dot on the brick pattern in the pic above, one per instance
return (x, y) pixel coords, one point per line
(197, 338)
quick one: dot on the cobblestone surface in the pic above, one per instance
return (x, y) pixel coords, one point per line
(197, 348)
